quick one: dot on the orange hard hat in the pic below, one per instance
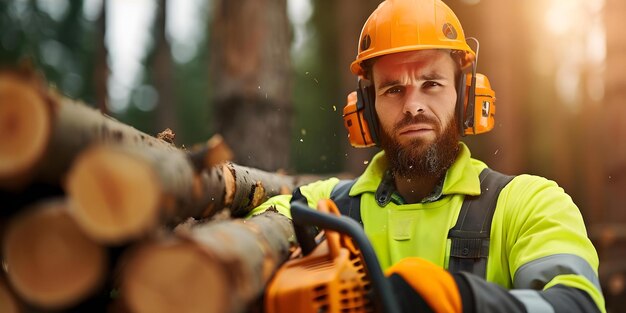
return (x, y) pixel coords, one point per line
(408, 25)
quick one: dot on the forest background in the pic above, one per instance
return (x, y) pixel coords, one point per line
(271, 76)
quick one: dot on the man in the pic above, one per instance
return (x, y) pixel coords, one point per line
(418, 93)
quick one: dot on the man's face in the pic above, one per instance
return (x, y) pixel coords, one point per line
(415, 104)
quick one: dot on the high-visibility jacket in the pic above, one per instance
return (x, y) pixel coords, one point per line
(538, 237)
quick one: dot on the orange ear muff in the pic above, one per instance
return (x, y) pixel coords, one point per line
(356, 124)
(480, 105)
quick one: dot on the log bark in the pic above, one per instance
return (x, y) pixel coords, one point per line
(223, 265)
(121, 193)
(247, 188)
(239, 189)
(41, 131)
(50, 262)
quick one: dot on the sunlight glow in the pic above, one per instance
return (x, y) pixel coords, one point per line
(91, 9)
(128, 34)
(55, 8)
(186, 25)
(299, 12)
(578, 45)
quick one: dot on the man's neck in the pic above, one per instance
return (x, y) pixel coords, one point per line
(414, 189)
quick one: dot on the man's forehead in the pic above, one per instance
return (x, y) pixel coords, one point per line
(413, 58)
(430, 63)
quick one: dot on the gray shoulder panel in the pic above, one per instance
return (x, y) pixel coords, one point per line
(536, 274)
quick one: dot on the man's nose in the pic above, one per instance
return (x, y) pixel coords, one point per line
(414, 104)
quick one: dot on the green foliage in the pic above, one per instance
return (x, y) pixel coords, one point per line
(192, 91)
(316, 145)
(318, 131)
(64, 49)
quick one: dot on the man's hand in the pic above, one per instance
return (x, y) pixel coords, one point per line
(421, 286)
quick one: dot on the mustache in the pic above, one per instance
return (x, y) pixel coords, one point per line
(416, 119)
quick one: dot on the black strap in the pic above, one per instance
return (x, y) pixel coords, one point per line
(304, 234)
(348, 206)
(470, 236)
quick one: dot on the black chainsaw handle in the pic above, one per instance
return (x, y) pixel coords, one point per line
(305, 219)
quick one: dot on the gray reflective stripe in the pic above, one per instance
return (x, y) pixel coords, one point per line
(537, 273)
(532, 301)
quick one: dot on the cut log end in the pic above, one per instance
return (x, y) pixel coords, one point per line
(115, 196)
(154, 275)
(7, 301)
(218, 152)
(25, 127)
(50, 261)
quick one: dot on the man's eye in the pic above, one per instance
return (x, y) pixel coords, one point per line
(429, 84)
(394, 90)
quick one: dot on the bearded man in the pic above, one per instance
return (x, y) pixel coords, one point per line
(451, 234)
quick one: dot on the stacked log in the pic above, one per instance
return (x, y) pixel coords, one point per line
(208, 260)
(92, 208)
(50, 261)
(42, 131)
(120, 193)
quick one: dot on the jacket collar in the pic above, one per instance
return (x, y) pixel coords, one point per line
(461, 177)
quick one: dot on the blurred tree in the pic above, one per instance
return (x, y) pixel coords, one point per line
(350, 18)
(56, 38)
(101, 70)
(323, 80)
(192, 96)
(251, 80)
(611, 133)
(614, 138)
(316, 139)
(502, 59)
(162, 65)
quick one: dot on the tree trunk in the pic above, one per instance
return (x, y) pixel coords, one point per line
(614, 125)
(349, 19)
(50, 261)
(101, 70)
(223, 265)
(163, 72)
(250, 66)
(612, 134)
(121, 193)
(42, 131)
(501, 60)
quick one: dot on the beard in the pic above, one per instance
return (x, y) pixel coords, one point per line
(419, 158)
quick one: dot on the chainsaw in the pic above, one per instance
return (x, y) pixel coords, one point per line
(338, 271)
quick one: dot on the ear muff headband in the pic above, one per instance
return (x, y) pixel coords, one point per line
(460, 103)
(475, 100)
(366, 100)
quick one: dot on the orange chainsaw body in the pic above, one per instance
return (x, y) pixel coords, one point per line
(330, 279)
